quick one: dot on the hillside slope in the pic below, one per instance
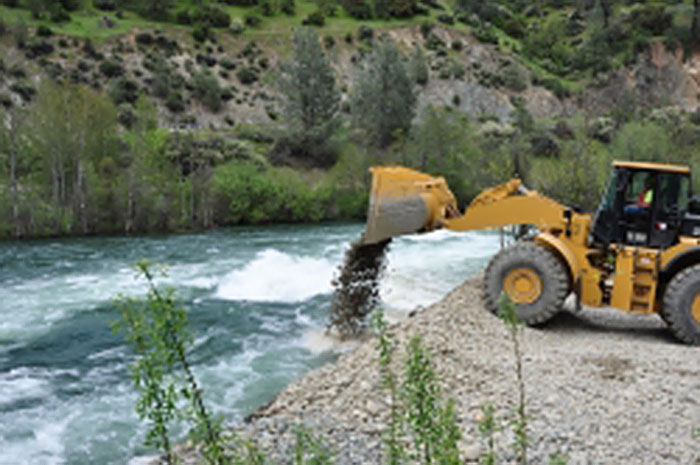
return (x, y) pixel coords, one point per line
(480, 58)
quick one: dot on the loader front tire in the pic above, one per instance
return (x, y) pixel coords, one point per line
(681, 309)
(533, 276)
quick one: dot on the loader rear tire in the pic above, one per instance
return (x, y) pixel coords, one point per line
(534, 277)
(681, 309)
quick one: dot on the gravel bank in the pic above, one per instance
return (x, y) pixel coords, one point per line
(603, 387)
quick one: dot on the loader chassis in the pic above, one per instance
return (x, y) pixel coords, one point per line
(639, 252)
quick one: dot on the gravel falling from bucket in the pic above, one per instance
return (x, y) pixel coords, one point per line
(356, 289)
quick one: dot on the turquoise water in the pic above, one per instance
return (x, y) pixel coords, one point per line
(256, 300)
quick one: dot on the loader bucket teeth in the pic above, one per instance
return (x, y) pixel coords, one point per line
(405, 201)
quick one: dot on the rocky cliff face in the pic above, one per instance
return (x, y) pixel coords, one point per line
(660, 77)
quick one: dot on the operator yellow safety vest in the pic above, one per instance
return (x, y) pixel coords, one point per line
(649, 196)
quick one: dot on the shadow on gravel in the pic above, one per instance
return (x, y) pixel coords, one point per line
(611, 322)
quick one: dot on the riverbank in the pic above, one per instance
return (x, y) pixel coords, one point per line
(602, 388)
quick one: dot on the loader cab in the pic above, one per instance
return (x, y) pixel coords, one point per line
(644, 204)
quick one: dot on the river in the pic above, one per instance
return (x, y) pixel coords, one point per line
(256, 299)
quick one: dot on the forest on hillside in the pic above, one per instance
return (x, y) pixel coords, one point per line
(82, 150)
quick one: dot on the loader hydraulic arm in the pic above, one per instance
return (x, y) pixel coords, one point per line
(508, 204)
(405, 201)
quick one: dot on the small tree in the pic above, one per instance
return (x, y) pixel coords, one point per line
(157, 329)
(384, 101)
(13, 133)
(207, 90)
(311, 98)
(419, 66)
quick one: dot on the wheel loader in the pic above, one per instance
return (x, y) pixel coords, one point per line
(638, 252)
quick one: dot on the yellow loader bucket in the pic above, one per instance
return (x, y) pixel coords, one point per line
(405, 201)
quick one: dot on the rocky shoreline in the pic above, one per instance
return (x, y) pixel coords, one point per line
(602, 388)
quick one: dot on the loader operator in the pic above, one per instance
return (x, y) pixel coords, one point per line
(644, 199)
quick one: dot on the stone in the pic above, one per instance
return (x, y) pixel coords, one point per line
(471, 452)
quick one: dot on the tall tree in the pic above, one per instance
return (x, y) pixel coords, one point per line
(311, 98)
(607, 7)
(11, 135)
(74, 128)
(384, 100)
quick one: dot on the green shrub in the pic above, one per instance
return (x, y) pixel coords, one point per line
(111, 68)
(241, 2)
(577, 177)
(20, 32)
(359, 9)
(6, 100)
(314, 19)
(123, 90)
(207, 90)
(365, 34)
(105, 5)
(201, 33)
(212, 16)
(486, 35)
(183, 17)
(433, 42)
(175, 102)
(418, 66)
(44, 31)
(24, 90)
(456, 70)
(247, 75)
(247, 193)
(515, 28)
(267, 7)
(426, 27)
(252, 20)
(652, 19)
(554, 84)
(515, 77)
(288, 7)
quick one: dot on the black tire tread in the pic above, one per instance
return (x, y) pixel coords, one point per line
(556, 286)
(673, 311)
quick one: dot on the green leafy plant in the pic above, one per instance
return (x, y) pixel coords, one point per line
(251, 454)
(508, 315)
(434, 426)
(157, 329)
(558, 459)
(487, 427)
(386, 345)
(310, 449)
(384, 100)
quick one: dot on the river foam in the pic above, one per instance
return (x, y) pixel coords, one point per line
(275, 276)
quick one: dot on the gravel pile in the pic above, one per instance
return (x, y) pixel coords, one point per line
(602, 387)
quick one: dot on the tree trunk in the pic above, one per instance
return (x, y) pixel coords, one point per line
(129, 221)
(14, 149)
(695, 27)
